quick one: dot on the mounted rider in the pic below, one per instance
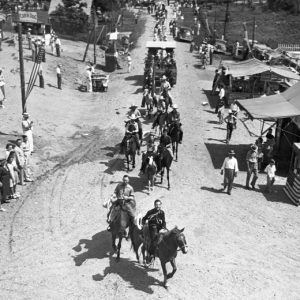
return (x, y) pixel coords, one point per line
(131, 129)
(165, 142)
(156, 222)
(122, 198)
(161, 108)
(151, 151)
(165, 85)
(134, 111)
(174, 117)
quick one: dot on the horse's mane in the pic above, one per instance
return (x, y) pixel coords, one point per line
(174, 231)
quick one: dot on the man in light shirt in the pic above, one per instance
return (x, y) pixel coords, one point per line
(58, 74)
(229, 169)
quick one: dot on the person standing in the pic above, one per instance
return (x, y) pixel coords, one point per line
(135, 18)
(1, 37)
(57, 46)
(252, 166)
(89, 86)
(270, 170)
(41, 77)
(229, 169)
(26, 149)
(27, 126)
(221, 97)
(29, 37)
(4, 182)
(230, 120)
(2, 84)
(20, 159)
(129, 61)
(58, 75)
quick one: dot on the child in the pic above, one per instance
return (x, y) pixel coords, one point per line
(270, 170)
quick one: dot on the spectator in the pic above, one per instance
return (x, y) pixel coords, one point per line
(13, 171)
(129, 61)
(252, 166)
(57, 46)
(260, 154)
(221, 97)
(58, 74)
(41, 78)
(270, 170)
(4, 182)
(29, 37)
(230, 120)
(27, 126)
(2, 84)
(221, 111)
(9, 148)
(89, 85)
(26, 149)
(20, 160)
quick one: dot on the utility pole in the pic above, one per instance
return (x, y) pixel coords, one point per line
(253, 33)
(226, 18)
(95, 38)
(21, 60)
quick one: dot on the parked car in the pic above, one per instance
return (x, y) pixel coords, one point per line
(185, 34)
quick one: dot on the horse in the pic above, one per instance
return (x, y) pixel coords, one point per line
(118, 230)
(150, 171)
(174, 133)
(149, 104)
(130, 151)
(164, 160)
(168, 243)
(167, 98)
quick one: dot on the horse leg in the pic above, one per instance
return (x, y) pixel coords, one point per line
(168, 170)
(133, 161)
(119, 248)
(127, 158)
(163, 266)
(113, 238)
(173, 264)
(176, 150)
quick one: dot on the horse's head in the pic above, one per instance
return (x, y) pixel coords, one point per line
(180, 239)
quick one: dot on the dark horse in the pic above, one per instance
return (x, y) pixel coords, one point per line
(130, 150)
(167, 98)
(164, 160)
(174, 133)
(168, 243)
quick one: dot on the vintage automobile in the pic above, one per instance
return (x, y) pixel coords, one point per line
(185, 34)
(160, 61)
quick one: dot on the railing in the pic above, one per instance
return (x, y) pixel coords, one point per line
(289, 47)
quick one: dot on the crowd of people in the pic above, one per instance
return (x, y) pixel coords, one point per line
(15, 162)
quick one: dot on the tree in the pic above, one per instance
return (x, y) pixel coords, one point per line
(72, 14)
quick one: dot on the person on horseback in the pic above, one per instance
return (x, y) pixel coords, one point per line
(134, 111)
(156, 222)
(122, 198)
(131, 130)
(150, 152)
(165, 85)
(174, 117)
(165, 142)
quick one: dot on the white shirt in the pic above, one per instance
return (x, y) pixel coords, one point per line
(57, 42)
(230, 163)
(129, 59)
(222, 93)
(270, 170)
(58, 70)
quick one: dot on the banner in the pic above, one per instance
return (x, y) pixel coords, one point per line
(28, 16)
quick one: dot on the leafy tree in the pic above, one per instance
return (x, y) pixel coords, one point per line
(72, 14)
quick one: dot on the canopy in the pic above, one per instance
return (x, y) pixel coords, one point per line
(274, 107)
(161, 44)
(254, 66)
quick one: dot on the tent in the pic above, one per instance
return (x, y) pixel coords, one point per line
(274, 107)
(254, 66)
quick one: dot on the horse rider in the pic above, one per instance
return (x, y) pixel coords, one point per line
(135, 111)
(165, 85)
(174, 117)
(123, 197)
(166, 142)
(131, 130)
(156, 222)
(150, 152)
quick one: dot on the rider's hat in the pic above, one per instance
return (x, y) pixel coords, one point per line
(25, 114)
(132, 105)
(162, 97)
(229, 111)
(254, 147)
(164, 77)
(175, 106)
(150, 148)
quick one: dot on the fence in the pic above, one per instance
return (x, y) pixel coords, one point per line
(289, 47)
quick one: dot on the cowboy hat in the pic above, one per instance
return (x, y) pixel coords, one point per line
(25, 114)
(231, 152)
(162, 97)
(133, 105)
(272, 161)
(175, 106)
(164, 77)
(229, 111)
(254, 147)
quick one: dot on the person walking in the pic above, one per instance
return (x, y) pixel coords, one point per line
(270, 170)
(129, 61)
(252, 166)
(27, 126)
(20, 160)
(58, 75)
(221, 97)
(26, 149)
(229, 170)
(2, 87)
(57, 46)
(230, 120)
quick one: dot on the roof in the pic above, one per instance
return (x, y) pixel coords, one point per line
(274, 107)
(55, 3)
(254, 66)
(161, 45)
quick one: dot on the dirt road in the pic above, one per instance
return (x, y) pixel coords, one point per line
(54, 243)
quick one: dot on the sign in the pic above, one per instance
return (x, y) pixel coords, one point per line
(28, 16)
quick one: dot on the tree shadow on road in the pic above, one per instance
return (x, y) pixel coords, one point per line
(137, 78)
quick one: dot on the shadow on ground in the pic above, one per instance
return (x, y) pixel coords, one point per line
(99, 247)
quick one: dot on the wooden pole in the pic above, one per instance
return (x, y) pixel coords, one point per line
(253, 33)
(226, 19)
(95, 38)
(21, 60)
(88, 44)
